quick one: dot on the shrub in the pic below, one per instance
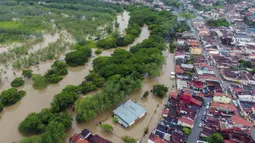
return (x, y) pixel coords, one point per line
(115, 119)
(146, 130)
(27, 73)
(128, 139)
(98, 51)
(146, 93)
(1, 107)
(159, 90)
(17, 82)
(187, 131)
(39, 81)
(106, 127)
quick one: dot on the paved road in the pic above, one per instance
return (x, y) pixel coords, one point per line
(194, 136)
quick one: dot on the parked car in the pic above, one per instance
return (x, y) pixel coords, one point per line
(207, 107)
(200, 125)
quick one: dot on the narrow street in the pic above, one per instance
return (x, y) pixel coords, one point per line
(194, 136)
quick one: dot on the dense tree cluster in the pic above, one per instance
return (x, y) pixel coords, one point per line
(159, 24)
(218, 23)
(17, 82)
(78, 57)
(11, 96)
(51, 126)
(129, 66)
(52, 76)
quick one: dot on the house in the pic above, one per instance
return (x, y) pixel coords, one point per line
(187, 67)
(221, 98)
(240, 122)
(97, 139)
(181, 84)
(185, 122)
(128, 113)
(223, 107)
(195, 51)
(155, 139)
(86, 137)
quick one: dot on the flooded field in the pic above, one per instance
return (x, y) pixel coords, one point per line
(123, 19)
(152, 104)
(35, 100)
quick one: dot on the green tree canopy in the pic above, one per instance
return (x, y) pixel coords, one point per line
(11, 96)
(17, 82)
(159, 90)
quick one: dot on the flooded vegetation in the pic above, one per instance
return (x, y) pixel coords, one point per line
(36, 100)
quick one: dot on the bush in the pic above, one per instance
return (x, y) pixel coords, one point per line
(128, 139)
(11, 96)
(98, 51)
(17, 82)
(27, 73)
(106, 127)
(1, 107)
(39, 81)
(159, 90)
(172, 47)
(187, 131)
(115, 119)
(146, 93)
(146, 130)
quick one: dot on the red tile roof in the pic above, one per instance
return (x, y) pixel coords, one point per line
(239, 120)
(222, 94)
(228, 141)
(208, 77)
(156, 139)
(223, 106)
(173, 94)
(197, 84)
(82, 141)
(178, 69)
(186, 120)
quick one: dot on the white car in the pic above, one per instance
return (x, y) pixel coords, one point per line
(207, 107)
(200, 125)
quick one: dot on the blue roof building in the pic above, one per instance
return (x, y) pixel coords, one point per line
(128, 113)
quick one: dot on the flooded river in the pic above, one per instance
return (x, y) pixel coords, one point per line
(35, 100)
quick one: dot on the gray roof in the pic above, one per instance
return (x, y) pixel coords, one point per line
(129, 112)
(189, 66)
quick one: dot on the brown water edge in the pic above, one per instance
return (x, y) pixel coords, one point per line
(35, 100)
(152, 104)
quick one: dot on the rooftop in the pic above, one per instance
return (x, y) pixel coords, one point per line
(241, 121)
(129, 112)
(186, 120)
(223, 106)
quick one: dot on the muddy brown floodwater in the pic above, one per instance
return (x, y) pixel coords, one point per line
(35, 100)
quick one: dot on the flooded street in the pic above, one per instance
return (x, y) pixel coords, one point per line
(35, 100)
